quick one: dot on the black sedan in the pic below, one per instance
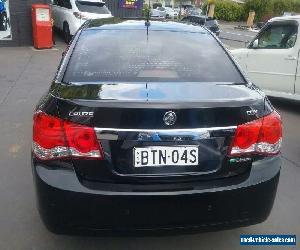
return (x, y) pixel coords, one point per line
(151, 127)
(208, 22)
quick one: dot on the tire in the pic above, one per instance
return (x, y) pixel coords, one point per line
(66, 33)
(3, 22)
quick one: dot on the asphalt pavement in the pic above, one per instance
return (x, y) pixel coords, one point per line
(25, 74)
(233, 37)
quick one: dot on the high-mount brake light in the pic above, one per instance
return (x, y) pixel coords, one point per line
(56, 138)
(262, 136)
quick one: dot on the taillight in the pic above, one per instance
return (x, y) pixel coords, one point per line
(56, 138)
(261, 136)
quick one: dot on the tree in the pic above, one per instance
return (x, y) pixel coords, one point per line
(262, 8)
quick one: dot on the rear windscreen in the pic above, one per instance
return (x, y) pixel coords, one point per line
(163, 56)
(92, 7)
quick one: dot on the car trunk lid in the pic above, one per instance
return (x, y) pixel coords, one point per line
(130, 116)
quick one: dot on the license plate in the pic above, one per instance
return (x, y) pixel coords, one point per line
(165, 156)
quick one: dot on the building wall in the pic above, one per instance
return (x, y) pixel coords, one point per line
(20, 18)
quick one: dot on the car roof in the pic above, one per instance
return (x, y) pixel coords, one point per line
(125, 24)
(287, 18)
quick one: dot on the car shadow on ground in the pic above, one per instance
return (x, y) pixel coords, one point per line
(58, 39)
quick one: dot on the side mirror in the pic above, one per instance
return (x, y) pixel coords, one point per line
(255, 44)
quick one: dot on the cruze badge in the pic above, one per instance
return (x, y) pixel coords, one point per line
(252, 112)
(170, 118)
(81, 113)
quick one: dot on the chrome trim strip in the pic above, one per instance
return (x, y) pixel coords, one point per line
(164, 130)
(192, 134)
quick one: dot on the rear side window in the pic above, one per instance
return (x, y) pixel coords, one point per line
(92, 7)
(165, 56)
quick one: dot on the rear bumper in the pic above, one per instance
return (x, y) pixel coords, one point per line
(66, 206)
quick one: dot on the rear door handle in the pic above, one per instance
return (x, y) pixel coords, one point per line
(291, 58)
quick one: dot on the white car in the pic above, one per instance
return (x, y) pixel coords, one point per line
(158, 13)
(271, 60)
(171, 13)
(69, 15)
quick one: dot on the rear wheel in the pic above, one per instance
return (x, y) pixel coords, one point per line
(3, 21)
(66, 33)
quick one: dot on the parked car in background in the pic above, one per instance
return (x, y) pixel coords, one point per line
(208, 22)
(4, 21)
(271, 60)
(160, 131)
(158, 13)
(69, 15)
(290, 14)
(195, 12)
(177, 9)
(187, 8)
(171, 13)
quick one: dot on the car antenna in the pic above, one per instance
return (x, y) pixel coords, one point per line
(147, 23)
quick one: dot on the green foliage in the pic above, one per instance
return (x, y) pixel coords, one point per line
(263, 9)
(280, 6)
(266, 9)
(146, 11)
(204, 7)
(228, 10)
